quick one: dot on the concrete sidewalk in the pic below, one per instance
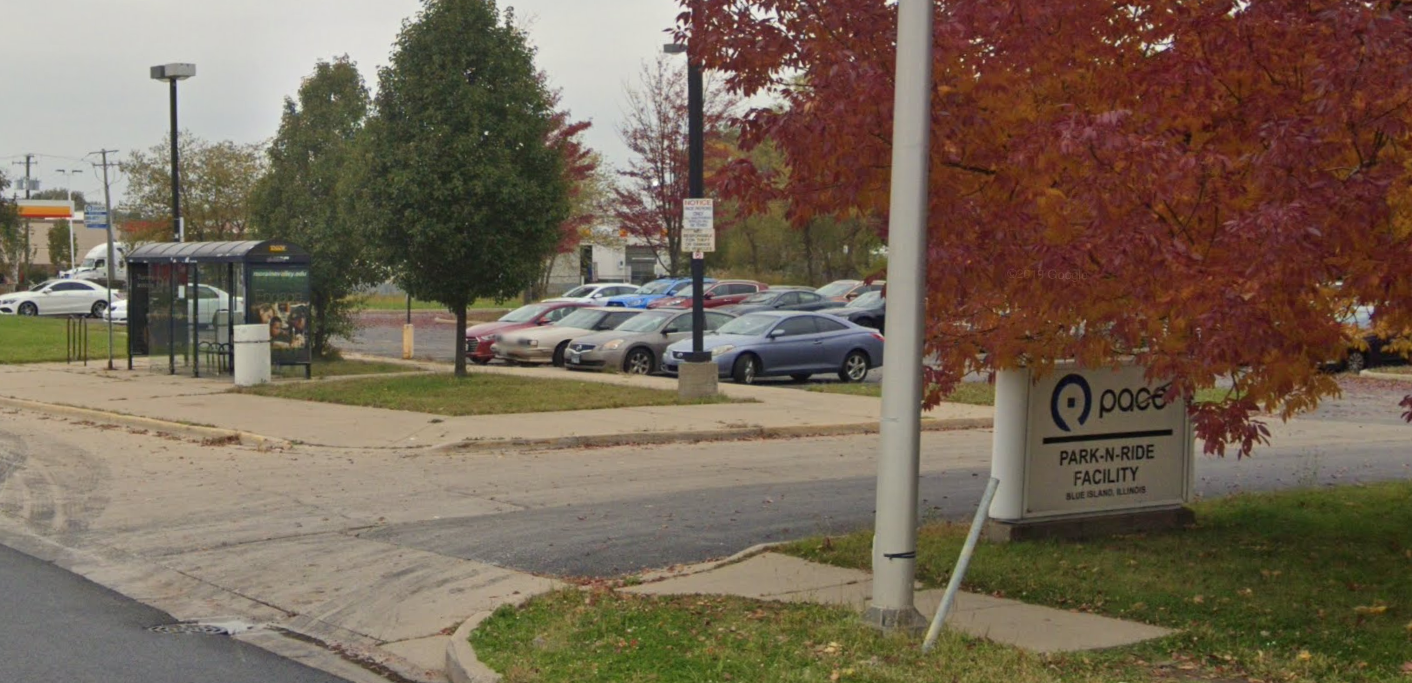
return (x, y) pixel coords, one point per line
(205, 407)
(772, 576)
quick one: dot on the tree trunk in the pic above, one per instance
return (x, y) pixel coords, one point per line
(460, 339)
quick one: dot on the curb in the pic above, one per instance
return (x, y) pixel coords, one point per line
(216, 434)
(1396, 377)
(701, 436)
(462, 665)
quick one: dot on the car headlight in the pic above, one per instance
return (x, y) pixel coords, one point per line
(722, 350)
(533, 342)
(613, 345)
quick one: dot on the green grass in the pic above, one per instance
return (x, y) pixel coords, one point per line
(1298, 587)
(42, 340)
(600, 636)
(973, 393)
(342, 368)
(478, 394)
(1302, 586)
(380, 302)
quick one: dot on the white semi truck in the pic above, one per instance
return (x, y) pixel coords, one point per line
(95, 264)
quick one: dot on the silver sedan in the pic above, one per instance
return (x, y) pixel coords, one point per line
(636, 346)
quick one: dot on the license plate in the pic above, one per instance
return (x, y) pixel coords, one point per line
(573, 357)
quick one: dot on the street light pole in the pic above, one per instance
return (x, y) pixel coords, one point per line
(698, 374)
(895, 531)
(69, 194)
(171, 73)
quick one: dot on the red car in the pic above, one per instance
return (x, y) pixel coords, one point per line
(480, 337)
(717, 294)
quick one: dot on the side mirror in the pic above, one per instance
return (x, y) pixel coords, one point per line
(776, 333)
(707, 295)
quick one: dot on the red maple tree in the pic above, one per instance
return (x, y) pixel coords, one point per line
(647, 202)
(1203, 186)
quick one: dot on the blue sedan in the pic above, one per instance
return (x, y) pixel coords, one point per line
(652, 291)
(774, 343)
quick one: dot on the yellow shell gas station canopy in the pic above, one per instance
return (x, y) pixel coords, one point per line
(45, 208)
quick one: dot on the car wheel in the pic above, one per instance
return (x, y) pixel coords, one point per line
(801, 377)
(747, 367)
(638, 362)
(855, 367)
(1356, 362)
(98, 308)
(28, 308)
(478, 361)
(558, 359)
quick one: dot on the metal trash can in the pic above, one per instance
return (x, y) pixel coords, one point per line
(252, 355)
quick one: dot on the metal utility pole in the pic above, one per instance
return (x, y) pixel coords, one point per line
(171, 73)
(23, 278)
(895, 537)
(108, 209)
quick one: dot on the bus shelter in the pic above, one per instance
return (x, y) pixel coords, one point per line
(185, 299)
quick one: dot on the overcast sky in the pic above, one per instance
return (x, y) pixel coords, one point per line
(75, 72)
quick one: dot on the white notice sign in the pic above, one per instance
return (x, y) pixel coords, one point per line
(1104, 440)
(698, 225)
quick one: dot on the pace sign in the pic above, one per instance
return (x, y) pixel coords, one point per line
(1104, 440)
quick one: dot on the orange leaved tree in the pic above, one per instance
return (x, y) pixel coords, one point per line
(1205, 186)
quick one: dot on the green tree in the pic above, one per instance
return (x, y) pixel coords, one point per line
(216, 183)
(60, 248)
(468, 193)
(57, 194)
(11, 239)
(299, 197)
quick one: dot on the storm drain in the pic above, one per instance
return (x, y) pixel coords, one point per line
(227, 628)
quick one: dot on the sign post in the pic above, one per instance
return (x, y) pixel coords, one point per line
(1086, 451)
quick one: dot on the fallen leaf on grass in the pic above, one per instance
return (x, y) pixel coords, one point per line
(1304, 656)
(1370, 609)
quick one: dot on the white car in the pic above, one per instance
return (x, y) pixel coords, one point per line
(595, 293)
(211, 305)
(59, 297)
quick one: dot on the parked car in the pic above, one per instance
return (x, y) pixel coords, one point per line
(868, 310)
(1366, 345)
(595, 294)
(636, 346)
(210, 308)
(780, 299)
(797, 344)
(651, 291)
(479, 338)
(715, 294)
(59, 297)
(547, 344)
(848, 290)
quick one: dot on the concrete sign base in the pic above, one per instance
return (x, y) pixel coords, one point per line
(1089, 526)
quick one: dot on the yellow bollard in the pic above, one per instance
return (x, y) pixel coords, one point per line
(407, 342)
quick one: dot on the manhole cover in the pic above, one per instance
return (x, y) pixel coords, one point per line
(195, 629)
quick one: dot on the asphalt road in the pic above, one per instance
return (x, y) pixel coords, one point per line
(62, 628)
(627, 535)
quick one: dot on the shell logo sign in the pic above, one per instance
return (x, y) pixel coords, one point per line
(40, 209)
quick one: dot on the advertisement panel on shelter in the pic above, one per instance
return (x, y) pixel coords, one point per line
(280, 299)
(1105, 440)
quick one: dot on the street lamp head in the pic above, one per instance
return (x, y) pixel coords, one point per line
(173, 72)
(674, 48)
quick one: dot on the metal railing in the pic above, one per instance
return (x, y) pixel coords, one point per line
(76, 338)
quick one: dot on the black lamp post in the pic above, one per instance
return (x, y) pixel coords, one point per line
(171, 73)
(696, 189)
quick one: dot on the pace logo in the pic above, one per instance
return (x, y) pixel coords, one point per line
(1071, 401)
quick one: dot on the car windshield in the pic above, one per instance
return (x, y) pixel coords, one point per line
(584, 319)
(684, 292)
(656, 287)
(645, 322)
(761, 298)
(749, 325)
(523, 314)
(837, 288)
(581, 291)
(869, 300)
